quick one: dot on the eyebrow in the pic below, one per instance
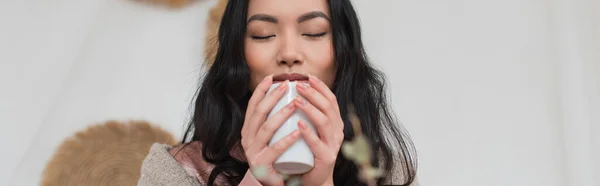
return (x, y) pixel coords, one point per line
(312, 15)
(302, 18)
(262, 17)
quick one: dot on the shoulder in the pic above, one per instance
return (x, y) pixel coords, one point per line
(160, 168)
(189, 157)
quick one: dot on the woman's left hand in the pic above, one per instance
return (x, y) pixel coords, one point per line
(323, 110)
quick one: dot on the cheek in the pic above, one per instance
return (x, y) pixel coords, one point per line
(258, 58)
(322, 56)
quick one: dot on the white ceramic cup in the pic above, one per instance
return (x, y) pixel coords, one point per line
(298, 158)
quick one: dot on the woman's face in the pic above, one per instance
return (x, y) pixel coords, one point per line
(289, 36)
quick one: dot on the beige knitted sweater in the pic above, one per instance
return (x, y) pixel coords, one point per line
(161, 168)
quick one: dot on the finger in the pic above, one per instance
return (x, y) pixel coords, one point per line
(312, 140)
(317, 99)
(267, 130)
(319, 120)
(324, 90)
(258, 94)
(263, 107)
(274, 151)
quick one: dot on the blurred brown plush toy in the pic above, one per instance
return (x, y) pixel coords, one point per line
(110, 153)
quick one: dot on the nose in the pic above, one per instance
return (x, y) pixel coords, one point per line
(290, 62)
(290, 53)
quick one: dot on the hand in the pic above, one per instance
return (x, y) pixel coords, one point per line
(257, 131)
(249, 180)
(322, 109)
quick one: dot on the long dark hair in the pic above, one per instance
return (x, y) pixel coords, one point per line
(223, 96)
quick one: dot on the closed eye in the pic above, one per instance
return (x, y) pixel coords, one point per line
(315, 35)
(262, 37)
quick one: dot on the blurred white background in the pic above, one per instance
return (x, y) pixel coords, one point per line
(492, 92)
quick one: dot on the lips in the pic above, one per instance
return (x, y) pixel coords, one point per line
(291, 77)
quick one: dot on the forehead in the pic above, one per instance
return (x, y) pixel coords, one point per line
(286, 8)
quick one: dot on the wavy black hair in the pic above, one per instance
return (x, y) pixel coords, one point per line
(222, 98)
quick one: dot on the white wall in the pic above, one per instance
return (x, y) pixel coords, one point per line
(492, 92)
(475, 83)
(578, 43)
(74, 63)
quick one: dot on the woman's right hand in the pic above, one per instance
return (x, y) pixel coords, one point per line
(258, 130)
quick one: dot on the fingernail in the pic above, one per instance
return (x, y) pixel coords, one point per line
(299, 87)
(268, 78)
(290, 106)
(301, 124)
(300, 101)
(311, 78)
(302, 86)
(283, 85)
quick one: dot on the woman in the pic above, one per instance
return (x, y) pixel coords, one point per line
(229, 131)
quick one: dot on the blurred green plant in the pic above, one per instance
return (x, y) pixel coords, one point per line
(359, 151)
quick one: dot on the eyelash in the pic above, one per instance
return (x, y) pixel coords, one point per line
(262, 37)
(269, 37)
(315, 35)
